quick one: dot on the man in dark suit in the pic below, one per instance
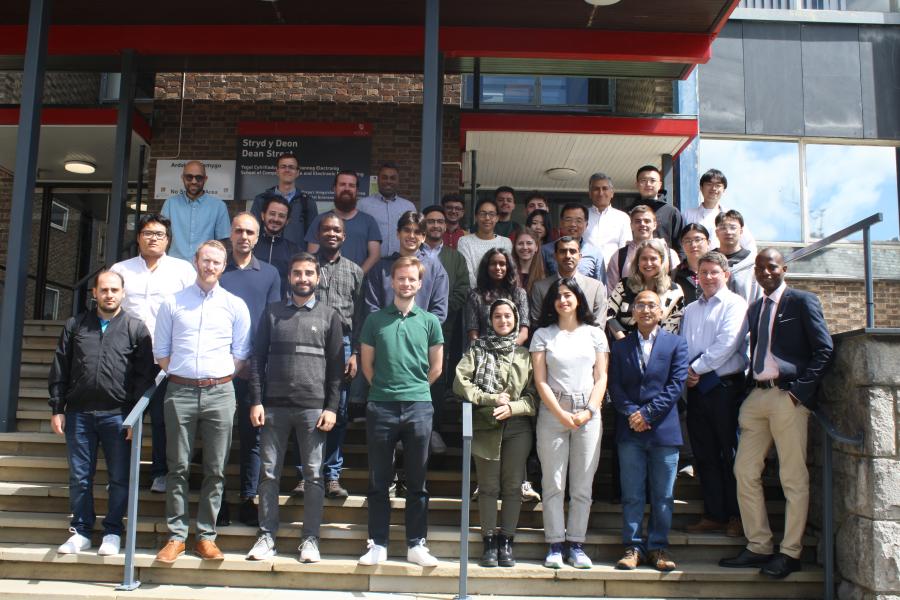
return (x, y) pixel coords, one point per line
(648, 370)
(790, 349)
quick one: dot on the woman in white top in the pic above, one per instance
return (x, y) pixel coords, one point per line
(475, 245)
(569, 357)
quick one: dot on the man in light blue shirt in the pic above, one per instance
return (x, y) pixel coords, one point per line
(715, 328)
(195, 215)
(386, 207)
(573, 222)
(202, 339)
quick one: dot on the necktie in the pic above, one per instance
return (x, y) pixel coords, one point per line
(762, 340)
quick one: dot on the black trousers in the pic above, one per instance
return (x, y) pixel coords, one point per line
(712, 422)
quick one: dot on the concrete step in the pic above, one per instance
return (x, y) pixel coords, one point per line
(698, 580)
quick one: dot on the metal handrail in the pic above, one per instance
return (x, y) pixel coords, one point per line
(466, 500)
(78, 289)
(135, 420)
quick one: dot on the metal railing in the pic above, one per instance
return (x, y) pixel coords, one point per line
(135, 420)
(466, 500)
(79, 291)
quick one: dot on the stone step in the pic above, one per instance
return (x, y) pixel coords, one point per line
(342, 572)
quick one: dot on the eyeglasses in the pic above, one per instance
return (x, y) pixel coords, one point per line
(189, 177)
(435, 221)
(487, 215)
(153, 235)
(642, 306)
(694, 241)
(453, 208)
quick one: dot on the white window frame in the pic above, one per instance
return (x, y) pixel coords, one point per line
(52, 292)
(65, 211)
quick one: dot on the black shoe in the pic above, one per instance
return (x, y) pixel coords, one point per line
(248, 514)
(746, 559)
(504, 551)
(299, 490)
(333, 489)
(781, 566)
(489, 558)
(224, 518)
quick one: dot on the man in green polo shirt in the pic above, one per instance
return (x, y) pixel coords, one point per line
(401, 353)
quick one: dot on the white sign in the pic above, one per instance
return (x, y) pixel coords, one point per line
(219, 178)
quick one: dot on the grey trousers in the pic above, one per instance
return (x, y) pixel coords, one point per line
(281, 424)
(573, 453)
(187, 410)
(504, 478)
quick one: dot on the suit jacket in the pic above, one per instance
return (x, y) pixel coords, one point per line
(801, 344)
(655, 392)
(594, 291)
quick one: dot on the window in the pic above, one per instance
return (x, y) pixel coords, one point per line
(843, 184)
(51, 304)
(59, 216)
(530, 91)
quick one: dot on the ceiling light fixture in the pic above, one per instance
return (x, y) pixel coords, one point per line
(82, 167)
(561, 173)
(601, 2)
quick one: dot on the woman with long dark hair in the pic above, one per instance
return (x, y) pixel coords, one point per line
(569, 356)
(497, 277)
(539, 222)
(495, 376)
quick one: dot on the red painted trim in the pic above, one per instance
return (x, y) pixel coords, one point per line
(334, 40)
(80, 116)
(726, 14)
(310, 128)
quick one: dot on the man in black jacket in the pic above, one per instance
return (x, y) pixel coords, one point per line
(303, 208)
(102, 366)
(295, 388)
(274, 247)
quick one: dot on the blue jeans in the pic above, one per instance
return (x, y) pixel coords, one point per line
(84, 432)
(334, 442)
(249, 437)
(640, 462)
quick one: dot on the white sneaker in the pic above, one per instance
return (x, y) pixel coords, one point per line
(528, 493)
(376, 554)
(438, 446)
(159, 485)
(263, 549)
(75, 544)
(554, 559)
(111, 545)
(309, 550)
(420, 555)
(577, 557)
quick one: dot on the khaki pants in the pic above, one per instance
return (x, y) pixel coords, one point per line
(769, 415)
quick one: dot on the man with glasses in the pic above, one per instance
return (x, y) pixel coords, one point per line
(150, 277)
(386, 206)
(195, 215)
(454, 211)
(713, 184)
(729, 230)
(668, 218)
(573, 222)
(302, 208)
(475, 245)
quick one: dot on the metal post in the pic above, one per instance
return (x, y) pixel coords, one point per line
(870, 289)
(476, 85)
(431, 141)
(470, 212)
(466, 498)
(139, 196)
(438, 130)
(19, 244)
(40, 279)
(129, 583)
(119, 196)
(828, 515)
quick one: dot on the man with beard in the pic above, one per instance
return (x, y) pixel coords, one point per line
(195, 215)
(257, 284)
(273, 246)
(386, 206)
(296, 375)
(454, 210)
(303, 209)
(573, 222)
(363, 238)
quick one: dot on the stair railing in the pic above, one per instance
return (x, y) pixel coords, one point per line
(135, 420)
(466, 500)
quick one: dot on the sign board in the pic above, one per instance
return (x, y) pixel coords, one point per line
(219, 178)
(322, 149)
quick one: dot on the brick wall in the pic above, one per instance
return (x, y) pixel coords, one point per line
(59, 88)
(844, 302)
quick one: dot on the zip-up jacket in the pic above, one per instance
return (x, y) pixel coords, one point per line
(277, 250)
(94, 370)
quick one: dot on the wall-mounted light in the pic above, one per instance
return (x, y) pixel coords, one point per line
(82, 167)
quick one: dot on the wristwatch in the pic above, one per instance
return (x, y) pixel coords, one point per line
(592, 410)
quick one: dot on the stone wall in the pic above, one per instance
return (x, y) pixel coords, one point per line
(862, 393)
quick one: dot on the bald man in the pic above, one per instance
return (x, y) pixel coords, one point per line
(195, 215)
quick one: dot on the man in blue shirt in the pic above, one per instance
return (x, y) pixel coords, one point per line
(257, 283)
(303, 208)
(386, 206)
(195, 215)
(573, 222)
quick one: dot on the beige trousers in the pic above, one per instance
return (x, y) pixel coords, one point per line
(767, 416)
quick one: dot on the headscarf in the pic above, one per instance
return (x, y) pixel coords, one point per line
(489, 349)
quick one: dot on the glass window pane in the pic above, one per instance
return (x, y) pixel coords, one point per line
(849, 183)
(507, 89)
(763, 184)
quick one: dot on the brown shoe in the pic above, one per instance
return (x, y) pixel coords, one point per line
(333, 489)
(734, 528)
(171, 551)
(299, 489)
(660, 560)
(207, 550)
(706, 525)
(631, 560)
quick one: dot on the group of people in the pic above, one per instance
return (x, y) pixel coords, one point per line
(303, 315)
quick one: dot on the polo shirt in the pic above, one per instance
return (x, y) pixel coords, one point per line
(359, 231)
(257, 285)
(194, 222)
(401, 346)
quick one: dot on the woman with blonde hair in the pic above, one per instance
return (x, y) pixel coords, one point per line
(649, 271)
(527, 254)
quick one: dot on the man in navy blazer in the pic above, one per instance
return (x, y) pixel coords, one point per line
(790, 348)
(648, 370)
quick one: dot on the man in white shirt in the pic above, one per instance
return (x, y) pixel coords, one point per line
(149, 278)
(608, 228)
(386, 206)
(713, 184)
